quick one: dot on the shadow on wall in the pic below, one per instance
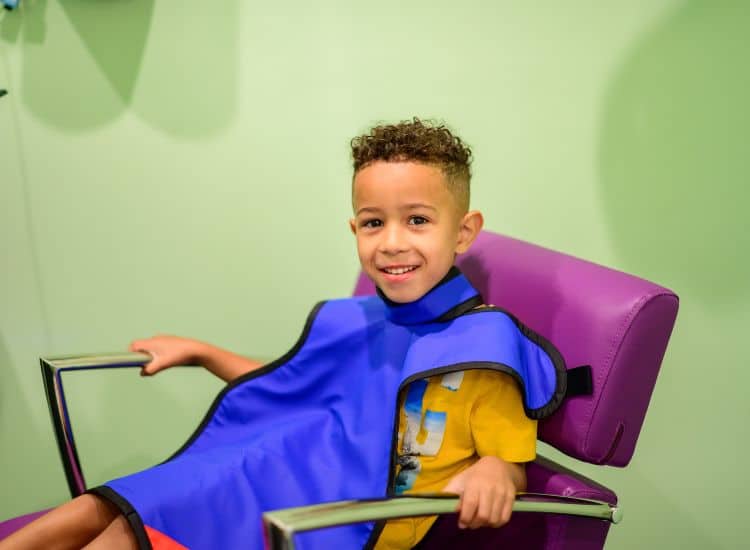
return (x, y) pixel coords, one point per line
(674, 150)
(31, 477)
(86, 62)
(10, 390)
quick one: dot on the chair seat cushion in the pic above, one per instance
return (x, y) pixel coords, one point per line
(14, 524)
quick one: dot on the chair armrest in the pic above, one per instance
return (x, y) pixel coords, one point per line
(546, 476)
(280, 526)
(52, 369)
(549, 531)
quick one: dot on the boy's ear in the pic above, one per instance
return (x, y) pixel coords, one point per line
(470, 226)
(353, 226)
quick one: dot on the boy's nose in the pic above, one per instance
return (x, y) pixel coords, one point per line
(394, 241)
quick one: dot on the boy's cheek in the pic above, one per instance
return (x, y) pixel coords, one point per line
(362, 251)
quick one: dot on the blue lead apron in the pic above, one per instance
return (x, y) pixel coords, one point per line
(320, 423)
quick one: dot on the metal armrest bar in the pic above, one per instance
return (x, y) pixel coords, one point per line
(52, 368)
(280, 526)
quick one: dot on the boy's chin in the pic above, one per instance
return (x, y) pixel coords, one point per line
(402, 296)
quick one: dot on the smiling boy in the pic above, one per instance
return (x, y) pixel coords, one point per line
(309, 427)
(411, 203)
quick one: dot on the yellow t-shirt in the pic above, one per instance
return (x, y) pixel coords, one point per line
(446, 423)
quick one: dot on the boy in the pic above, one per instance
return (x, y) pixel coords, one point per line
(462, 430)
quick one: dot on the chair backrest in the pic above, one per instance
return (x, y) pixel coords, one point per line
(615, 322)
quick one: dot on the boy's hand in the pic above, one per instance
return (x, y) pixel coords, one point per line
(487, 489)
(167, 351)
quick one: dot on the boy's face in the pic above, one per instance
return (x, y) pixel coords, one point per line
(408, 227)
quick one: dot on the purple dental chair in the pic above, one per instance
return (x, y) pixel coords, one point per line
(614, 322)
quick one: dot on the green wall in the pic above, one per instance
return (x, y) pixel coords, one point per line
(180, 166)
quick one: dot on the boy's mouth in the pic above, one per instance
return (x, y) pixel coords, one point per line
(398, 269)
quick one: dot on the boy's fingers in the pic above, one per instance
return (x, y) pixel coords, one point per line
(496, 516)
(141, 346)
(484, 510)
(152, 367)
(469, 504)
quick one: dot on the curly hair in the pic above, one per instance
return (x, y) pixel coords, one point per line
(420, 141)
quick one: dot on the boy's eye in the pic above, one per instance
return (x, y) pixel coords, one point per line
(417, 220)
(372, 223)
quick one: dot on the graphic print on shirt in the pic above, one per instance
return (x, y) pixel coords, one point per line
(424, 431)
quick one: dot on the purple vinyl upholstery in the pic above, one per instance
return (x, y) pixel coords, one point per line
(14, 524)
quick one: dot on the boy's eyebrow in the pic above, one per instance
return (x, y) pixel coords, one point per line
(367, 209)
(411, 206)
(416, 205)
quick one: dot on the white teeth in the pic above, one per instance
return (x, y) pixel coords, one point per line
(399, 270)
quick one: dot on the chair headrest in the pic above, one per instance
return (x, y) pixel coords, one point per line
(615, 322)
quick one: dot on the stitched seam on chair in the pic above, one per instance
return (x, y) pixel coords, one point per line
(608, 360)
(614, 352)
(615, 442)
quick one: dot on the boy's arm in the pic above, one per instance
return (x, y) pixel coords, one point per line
(505, 439)
(487, 490)
(168, 351)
